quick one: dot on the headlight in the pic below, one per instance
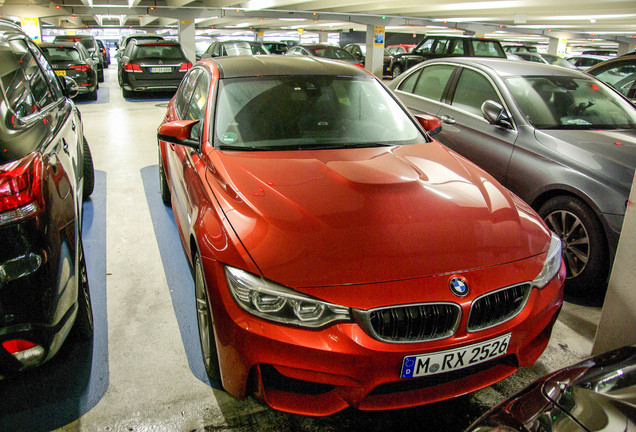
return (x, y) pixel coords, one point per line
(552, 263)
(277, 303)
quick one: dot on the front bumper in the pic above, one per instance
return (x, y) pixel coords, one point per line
(320, 372)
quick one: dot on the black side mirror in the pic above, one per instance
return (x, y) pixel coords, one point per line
(69, 87)
(495, 114)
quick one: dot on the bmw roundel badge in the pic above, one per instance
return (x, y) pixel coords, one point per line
(458, 286)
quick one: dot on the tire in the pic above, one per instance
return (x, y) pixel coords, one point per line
(83, 327)
(584, 245)
(396, 72)
(93, 95)
(206, 324)
(126, 93)
(100, 76)
(163, 182)
(88, 171)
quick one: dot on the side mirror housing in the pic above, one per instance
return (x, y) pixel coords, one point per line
(430, 123)
(69, 87)
(178, 132)
(495, 114)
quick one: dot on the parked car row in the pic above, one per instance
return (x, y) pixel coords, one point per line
(351, 244)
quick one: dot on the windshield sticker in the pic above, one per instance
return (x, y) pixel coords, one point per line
(229, 138)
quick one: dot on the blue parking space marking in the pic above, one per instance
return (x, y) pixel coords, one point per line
(76, 379)
(177, 271)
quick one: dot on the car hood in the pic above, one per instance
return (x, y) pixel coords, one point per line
(349, 216)
(610, 154)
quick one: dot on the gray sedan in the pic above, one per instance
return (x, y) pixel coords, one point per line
(560, 139)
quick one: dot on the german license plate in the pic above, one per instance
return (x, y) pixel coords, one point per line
(60, 72)
(160, 69)
(447, 361)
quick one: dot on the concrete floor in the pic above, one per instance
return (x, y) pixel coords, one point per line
(147, 376)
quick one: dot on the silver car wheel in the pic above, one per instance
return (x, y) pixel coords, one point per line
(574, 238)
(203, 314)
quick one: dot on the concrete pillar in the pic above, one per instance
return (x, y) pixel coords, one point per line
(553, 46)
(623, 48)
(375, 54)
(617, 326)
(323, 37)
(186, 38)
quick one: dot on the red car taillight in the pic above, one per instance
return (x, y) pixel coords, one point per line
(185, 66)
(17, 345)
(80, 68)
(132, 67)
(360, 65)
(21, 188)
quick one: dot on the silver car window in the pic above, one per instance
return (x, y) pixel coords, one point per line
(565, 102)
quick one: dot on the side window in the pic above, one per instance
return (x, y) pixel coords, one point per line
(49, 74)
(425, 48)
(432, 81)
(185, 91)
(456, 47)
(472, 90)
(441, 46)
(620, 75)
(24, 83)
(195, 109)
(409, 83)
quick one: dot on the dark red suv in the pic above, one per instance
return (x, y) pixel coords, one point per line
(46, 171)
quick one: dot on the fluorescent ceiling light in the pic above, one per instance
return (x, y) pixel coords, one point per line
(292, 19)
(240, 25)
(258, 4)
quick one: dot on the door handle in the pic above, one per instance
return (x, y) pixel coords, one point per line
(448, 119)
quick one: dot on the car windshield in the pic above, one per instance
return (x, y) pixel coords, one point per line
(161, 51)
(309, 112)
(332, 53)
(60, 54)
(564, 102)
(244, 48)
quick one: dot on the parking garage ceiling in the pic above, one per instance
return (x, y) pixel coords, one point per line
(531, 20)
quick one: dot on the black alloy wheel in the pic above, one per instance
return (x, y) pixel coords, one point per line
(583, 242)
(88, 170)
(83, 327)
(163, 182)
(206, 324)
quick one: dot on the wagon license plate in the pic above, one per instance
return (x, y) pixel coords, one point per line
(160, 69)
(60, 72)
(455, 359)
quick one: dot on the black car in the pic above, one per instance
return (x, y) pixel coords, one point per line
(446, 46)
(359, 51)
(598, 394)
(105, 54)
(325, 51)
(235, 48)
(276, 47)
(90, 43)
(72, 60)
(126, 39)
(152, 66)
(46, 171)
